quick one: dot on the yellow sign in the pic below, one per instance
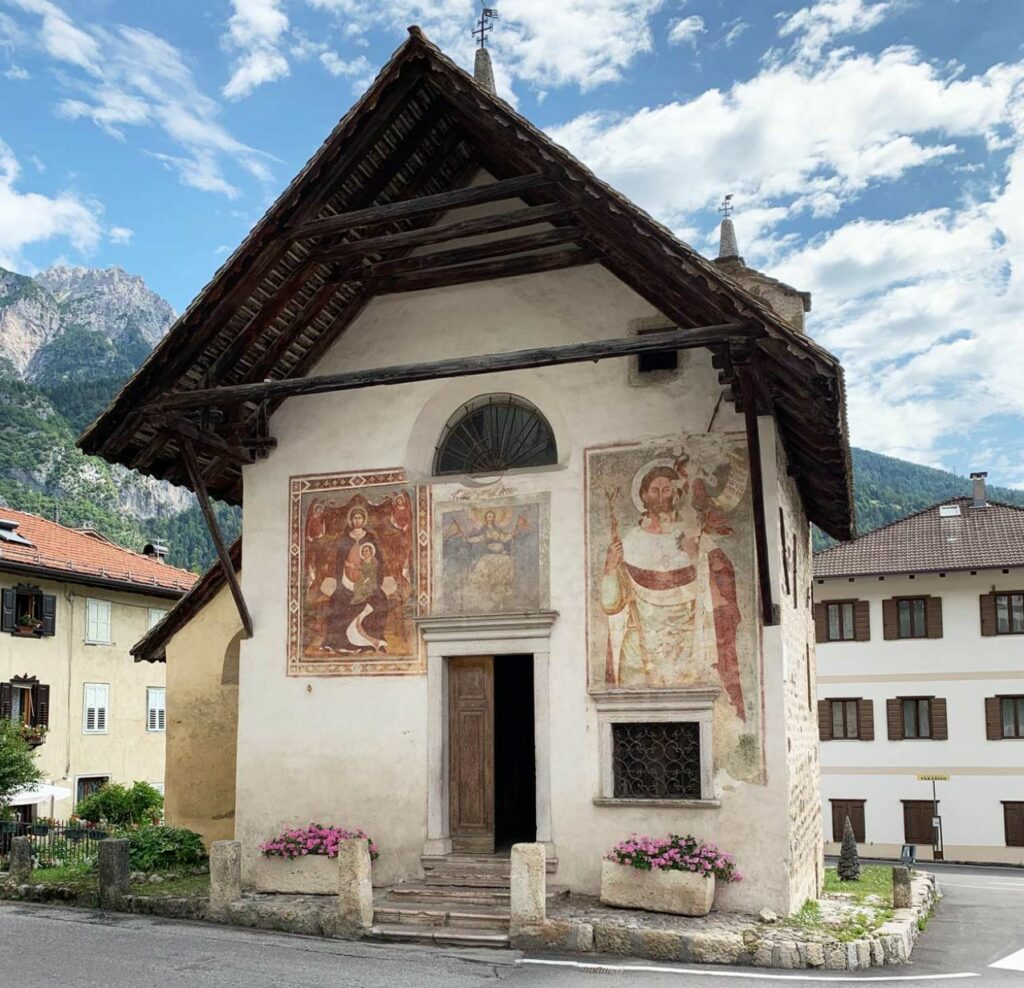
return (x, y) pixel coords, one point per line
(932, 777)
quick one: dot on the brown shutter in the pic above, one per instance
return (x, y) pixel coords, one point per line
(933, 616)
(861, 621)
(8, 602)
(940, 727)
(5, 701)
(894, 715)
(993, 718)
(49, 614)
(838, 816)
(41, 702)
(865, 720)
(987, 602)
(820, 623)
(824, 720)
(1013, 817)
(890, 621)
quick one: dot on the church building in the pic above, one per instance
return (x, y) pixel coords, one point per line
(526, 487)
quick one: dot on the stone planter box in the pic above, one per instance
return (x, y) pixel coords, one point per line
(682, 893)
(315, 874)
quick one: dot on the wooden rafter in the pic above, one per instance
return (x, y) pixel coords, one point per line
(198, 484)
(570, 353)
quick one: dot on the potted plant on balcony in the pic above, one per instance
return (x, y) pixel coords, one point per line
(34, 734)
(28, 625)
(75, 830)
(667, 875)
(302, 860)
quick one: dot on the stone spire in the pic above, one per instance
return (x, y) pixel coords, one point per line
(482, 70)
(727, 241)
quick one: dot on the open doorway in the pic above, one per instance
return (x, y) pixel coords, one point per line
(492, 769)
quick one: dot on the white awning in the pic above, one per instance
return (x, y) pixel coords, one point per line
(26, 797)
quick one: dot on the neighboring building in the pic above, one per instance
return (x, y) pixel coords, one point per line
(198, 641)
(530, 597)
(72, 605)
(920, 629)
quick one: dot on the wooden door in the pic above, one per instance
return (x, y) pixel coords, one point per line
(917, 821)
(852, 808)
(1013, 817)
(471, 753)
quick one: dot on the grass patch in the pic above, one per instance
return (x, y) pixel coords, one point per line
(875, 880)
(78, 877)
(189, 886)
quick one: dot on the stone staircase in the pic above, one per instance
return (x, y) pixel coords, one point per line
(462, 901)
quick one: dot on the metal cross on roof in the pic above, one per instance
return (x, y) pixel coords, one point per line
(726, 208)
(487, 17)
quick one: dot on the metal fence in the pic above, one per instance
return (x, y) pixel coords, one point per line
(54, 845)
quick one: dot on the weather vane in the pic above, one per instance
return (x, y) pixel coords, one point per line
(726, 208)
(487, 18)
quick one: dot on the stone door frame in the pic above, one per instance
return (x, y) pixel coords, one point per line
(484, 634)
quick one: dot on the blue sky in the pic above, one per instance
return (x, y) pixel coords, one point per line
(875, 149)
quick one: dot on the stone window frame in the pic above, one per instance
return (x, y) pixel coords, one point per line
(656, 707)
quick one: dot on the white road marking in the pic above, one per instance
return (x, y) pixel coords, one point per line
(987, 888)
(707, 973)
(1014, 962)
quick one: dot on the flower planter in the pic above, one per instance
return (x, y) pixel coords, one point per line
(8, 827)
(26, 631)
(683, 893)
(313, 874)
(74, 833)
(40, 829)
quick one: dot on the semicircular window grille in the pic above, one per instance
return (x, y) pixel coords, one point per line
(492, 433)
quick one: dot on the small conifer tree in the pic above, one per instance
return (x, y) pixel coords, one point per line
(849, 860)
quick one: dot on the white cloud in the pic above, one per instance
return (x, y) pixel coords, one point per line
(17, 74)
(735, 29)
(120, 235)
(337, 66)
(29, 217)
(131, 78)
(816, 26)
(255, 31)
(686, 30)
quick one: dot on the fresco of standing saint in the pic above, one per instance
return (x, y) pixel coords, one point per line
(353, 582)
(671, 600)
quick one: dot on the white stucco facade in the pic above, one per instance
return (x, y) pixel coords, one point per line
(963, 667)
(370, 752)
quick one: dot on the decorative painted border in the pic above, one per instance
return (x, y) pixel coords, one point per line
(297, 664)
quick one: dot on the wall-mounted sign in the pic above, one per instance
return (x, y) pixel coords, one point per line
(932, 777)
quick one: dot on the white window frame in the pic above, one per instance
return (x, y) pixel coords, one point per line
(105, 687)
(156, 615)
(94, 608)
(162, 709)
(661, 706)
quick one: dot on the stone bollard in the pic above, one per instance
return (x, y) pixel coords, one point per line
(528, 893)
(355, 890)
(902, 896)
(114, 871)
(21, 860)
(225, 876)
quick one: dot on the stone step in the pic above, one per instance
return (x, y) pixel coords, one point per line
(439, 935)
(442, 914)
(467, 878)
(455, 896)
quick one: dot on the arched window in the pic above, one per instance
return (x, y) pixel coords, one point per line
(492, 433)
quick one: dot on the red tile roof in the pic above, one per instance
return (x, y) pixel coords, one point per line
(989, 537)
(80, 556)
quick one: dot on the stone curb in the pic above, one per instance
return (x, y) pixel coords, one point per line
(891, 943)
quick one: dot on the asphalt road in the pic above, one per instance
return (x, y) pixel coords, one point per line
(979, 922)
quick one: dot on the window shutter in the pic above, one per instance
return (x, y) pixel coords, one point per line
(993, 719)
(5, 700)
(987, 606)
(824, 720)
(865, 720)
(890, 623)
(933, 616)
(894, 716)
(7, 615)
(940, 726)
(820, 623)
(41, 704)
(101, 708)
(49, 613)
(857, 821)
(861, 621)
(1013, 817)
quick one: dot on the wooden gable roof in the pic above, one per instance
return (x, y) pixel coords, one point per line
(343, 230)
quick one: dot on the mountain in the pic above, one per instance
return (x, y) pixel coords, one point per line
(69, 338)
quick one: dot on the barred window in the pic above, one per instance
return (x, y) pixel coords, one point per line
(656, 760)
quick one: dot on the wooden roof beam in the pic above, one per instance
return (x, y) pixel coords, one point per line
(571, 353)
(406, 209)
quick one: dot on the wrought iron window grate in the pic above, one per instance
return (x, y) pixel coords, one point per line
(656, 760)
(492, 433)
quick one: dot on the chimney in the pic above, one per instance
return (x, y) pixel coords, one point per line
(978, 480)
(156, 551)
